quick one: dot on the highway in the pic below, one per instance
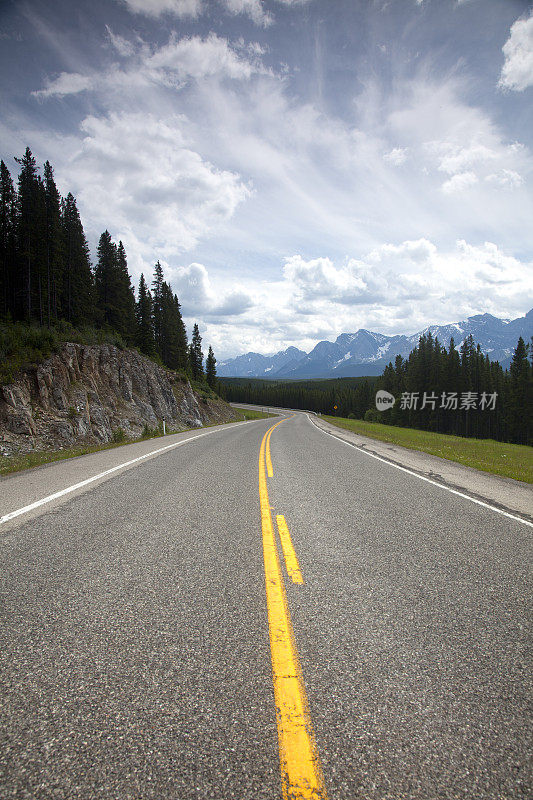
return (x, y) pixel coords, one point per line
(259, 611)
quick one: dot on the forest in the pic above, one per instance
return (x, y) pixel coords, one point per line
(436, 388)
(48, 284)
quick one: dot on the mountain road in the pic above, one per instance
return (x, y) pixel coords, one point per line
(258, 610)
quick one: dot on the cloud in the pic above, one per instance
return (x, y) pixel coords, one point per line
(197, 296)
(319, 279)
(517, 71)
(156, 8)
(507, 178)
(396, 288)
(123, 46)
(418, 252)
(196, 57)
(134, 174)
(251, 8)
(459, 182)
(65, 84)
(194, 8)
(173, 65)
(397, 156)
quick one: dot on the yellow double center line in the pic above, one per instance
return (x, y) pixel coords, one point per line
(301, 773)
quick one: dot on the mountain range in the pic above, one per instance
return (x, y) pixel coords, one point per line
(367, 353)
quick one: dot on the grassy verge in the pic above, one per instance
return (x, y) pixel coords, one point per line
(248, 413)
(36, 458)
(509, 460)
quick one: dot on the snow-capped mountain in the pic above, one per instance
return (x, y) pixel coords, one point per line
(368, 353)
(254, 365)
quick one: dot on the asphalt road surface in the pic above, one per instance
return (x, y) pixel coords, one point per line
(138, 645)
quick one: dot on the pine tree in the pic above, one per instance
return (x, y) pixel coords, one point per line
(157, 298)
(519, 412)
(105, 277)
(195, 354)
(54, 244)
(75, 288)
(27, 236)
(7, 241)
(125, 323)
(143, 312)
(210, 368)
(181, 336)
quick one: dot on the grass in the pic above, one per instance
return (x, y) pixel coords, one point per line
(508, 460)
(23, 345)
(37, 458)
(249, 413)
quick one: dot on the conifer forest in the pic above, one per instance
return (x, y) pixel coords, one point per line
(47, 279)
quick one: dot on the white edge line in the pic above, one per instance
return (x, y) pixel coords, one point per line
(81, 484)
(422, 478)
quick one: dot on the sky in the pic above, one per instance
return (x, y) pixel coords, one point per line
(301, 168)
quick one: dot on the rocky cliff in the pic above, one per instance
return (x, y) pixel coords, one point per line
(90, 394)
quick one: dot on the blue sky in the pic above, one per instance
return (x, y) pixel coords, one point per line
(301, 168)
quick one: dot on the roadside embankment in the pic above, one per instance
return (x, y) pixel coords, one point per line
(95, 394)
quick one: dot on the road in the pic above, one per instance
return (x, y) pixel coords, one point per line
(138, 644)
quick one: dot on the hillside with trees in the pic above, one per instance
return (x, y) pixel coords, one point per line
(50, 291)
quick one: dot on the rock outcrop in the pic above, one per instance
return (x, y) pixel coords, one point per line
(91, 394)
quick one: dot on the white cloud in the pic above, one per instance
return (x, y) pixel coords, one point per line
(155, 8)
(456, 158)
(397, 156)
(458, 183)
(172, 65)
(198, 297)
(419, 252)
(193, 8)
(134, 174)
(123, 46)
(252, 8)
(517, 71)
(65, 84)
(196, 57)
(507, 178)
(396, 288)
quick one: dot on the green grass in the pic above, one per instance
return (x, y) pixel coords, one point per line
(248, 413)
(509, 460)
(37, 458)
(23, 345)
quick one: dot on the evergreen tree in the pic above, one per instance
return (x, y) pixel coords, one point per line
(7, 241)
(157, 298)
(27, 234)
(105, 278)
(181, 336)
(126, 323)
(195, 354)
(145, 327)
(210, 368)
(75, 288)
(519, 409)
(54, 244)
(173, 337)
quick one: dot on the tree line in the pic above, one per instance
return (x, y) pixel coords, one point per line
(436, 388)
(46, 276)
(351, 395)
